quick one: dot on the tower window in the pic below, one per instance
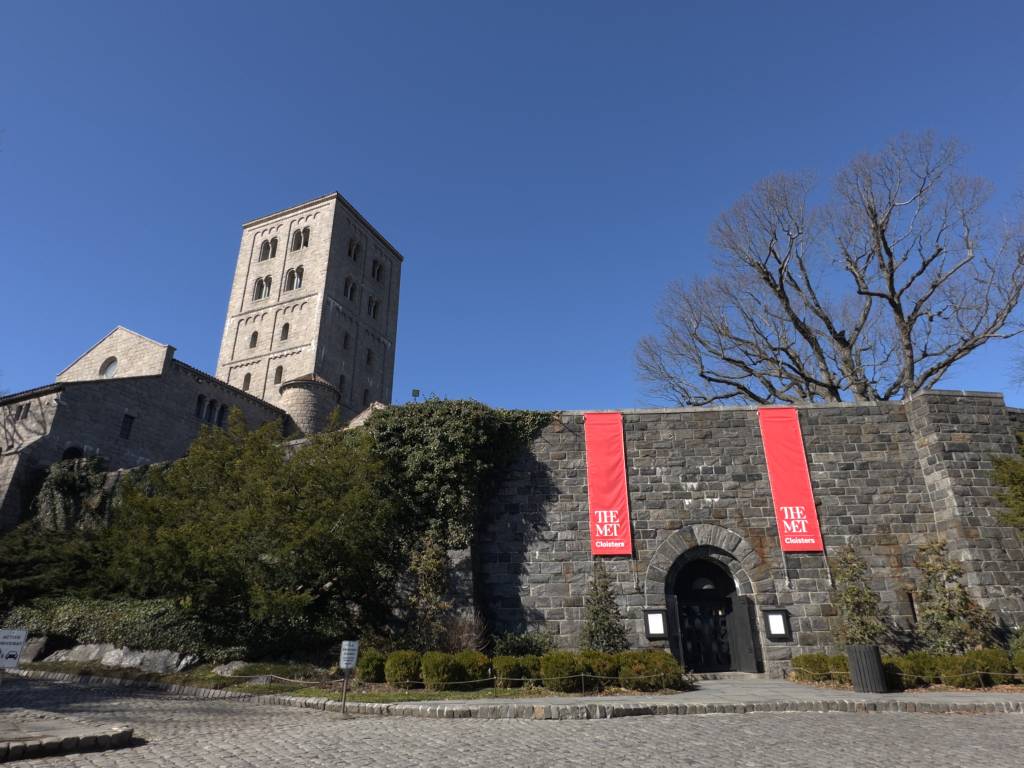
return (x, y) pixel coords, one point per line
(284, 331)
(369, 357)
(354, 249)
(253, 340)
(109, 368)
(372, 307)
(293, 279)
(377, 271)
(126, 426)
(346, 341)
(200, 406)
(341, 384)
(305, 237)
(296, 240)
(278, 374)
(366, 397)
(265, 250)
(262, 288)
(246, 382)
(273, 247)
(350, 289)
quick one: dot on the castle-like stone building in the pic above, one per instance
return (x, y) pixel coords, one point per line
(311, 325)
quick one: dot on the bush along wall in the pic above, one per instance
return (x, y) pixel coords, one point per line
(981, 668)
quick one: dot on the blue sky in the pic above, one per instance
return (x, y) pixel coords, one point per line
(545, 168)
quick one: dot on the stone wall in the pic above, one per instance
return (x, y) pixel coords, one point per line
(886, 477)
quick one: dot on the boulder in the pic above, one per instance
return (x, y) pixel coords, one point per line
(230, 669)
(158, 662)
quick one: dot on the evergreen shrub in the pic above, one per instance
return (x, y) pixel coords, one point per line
(821, 668)
(524, 644)
(651, 670)
(976, 669)
(440, 670)
(603, 666)
(915, 669)
(370, 666)
(402, 669)
(510, 671)
(475, 666)
(560, 671)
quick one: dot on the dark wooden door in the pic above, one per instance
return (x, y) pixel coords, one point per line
(704, 633)
(741, 634)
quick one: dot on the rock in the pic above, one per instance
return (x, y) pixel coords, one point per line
(230, 669)
(38, 648)
(159, 662)
(186, 661)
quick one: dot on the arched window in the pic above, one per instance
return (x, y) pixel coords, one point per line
(109, 368)
(265, 250)
(278, 373)
(346, 341)
(284, 331)
(341, 384)
(211, 411)
(296, 240)
(372, 307)
(222, 415)
(369, 357)
(305, 237)
(354, 248)
(350, 289)
(200, 406)
(366, 397)
(273, 247)
(72, 452)
(377, 271)
(261, 289)
(293, 279)
(246, 382)
(253, 340)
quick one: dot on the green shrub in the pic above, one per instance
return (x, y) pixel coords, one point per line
(144, 625)
(560, 671)
(524, 644)
(651, 670)
(531, 665)
(1018, 663)
(440, 670)
(603, 666)
(509, 671)
(475, 666)
(915, 669)
(288, 670)
(402, 669)
(976, 669)
(370, 666)
(821, 668)
(603, 626)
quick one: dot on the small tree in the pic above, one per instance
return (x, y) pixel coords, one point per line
(948, 619)
(860, 619)
(1009, 473)
(603, 629)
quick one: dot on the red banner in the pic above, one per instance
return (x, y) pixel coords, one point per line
(795, 514)
(606, 484)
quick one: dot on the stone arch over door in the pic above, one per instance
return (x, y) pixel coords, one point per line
(705, 540)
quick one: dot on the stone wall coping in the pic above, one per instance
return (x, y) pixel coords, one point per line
(801, 406)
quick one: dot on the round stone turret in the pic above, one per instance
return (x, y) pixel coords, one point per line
(309, 400)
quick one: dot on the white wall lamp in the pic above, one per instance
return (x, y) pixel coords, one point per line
(656, 623)
(776, 624)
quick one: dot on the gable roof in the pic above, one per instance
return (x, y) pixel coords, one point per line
(107, 336)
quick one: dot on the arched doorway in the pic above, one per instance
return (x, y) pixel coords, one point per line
(711, 626)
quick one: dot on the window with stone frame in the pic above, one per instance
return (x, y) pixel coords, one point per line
(350, 289)
(254, 339)
(278, 374)
(293, 279)
(373, 307)
(246, 382)
(200, 406)
(127, 422)
(377, 271)
(284, 331)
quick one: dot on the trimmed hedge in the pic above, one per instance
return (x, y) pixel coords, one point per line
(651, 670)
(440, 670)
(402, 669)
(976, 669)
(1018, 662)
(524, 644)
(560, 671)
(820, 668)
(604, 666)
(510, 671)
(370, 666)
(143, 625)
(475, 666)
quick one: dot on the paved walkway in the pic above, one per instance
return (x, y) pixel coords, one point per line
(175, 731)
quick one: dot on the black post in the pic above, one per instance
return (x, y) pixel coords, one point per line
(866, 669)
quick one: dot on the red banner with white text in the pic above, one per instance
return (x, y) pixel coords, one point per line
(793, 499)
(606, 484)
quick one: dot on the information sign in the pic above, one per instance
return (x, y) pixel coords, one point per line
(12, 641)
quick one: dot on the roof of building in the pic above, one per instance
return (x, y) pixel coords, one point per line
(324, 199)
(46, 389)
(107, 336)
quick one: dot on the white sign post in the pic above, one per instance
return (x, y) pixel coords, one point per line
(346, 663)
(12, 641)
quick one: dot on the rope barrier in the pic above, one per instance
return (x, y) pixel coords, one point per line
(665, 675)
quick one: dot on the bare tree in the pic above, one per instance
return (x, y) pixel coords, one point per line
(872, 295)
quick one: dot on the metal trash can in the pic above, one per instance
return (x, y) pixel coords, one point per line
(866, 669)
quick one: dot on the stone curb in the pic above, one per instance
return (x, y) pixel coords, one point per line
(90, 740)
(511, 710)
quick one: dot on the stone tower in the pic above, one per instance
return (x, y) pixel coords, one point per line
(313, 313)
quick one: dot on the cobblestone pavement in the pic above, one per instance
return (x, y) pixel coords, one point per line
(202, 732)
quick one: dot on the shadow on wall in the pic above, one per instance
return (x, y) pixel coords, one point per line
(513, 521)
